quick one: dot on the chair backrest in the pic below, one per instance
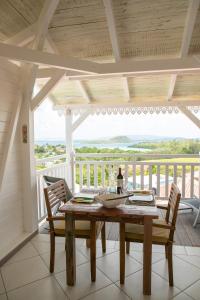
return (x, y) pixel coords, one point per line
(50, 179)
(173, 205)
(55, 194)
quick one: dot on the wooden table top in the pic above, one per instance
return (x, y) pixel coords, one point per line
(97, 210)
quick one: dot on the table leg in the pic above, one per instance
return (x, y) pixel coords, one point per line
(147, 255)
(70, 249)
(122, 252)
(93, 250)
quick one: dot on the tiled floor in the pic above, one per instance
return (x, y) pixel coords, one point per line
(26, 276)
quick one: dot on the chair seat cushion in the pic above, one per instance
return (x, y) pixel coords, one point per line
(81, 227)
(135, 232)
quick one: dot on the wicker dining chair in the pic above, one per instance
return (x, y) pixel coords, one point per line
(55, 195)
(163, 229)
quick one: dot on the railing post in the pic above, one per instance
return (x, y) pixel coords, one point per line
(73, 172)
(69, 145)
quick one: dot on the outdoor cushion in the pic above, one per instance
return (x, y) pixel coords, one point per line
(81, 227)
(136, 232)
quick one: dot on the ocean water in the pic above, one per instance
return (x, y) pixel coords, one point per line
(78, 144)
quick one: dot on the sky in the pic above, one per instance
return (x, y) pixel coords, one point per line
(49, 125)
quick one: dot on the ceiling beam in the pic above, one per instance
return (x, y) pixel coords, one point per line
(83, 91)
(136, 103)
(190, 115)
(135, 68)
(187, 36)
(46, 89)
(49, 59)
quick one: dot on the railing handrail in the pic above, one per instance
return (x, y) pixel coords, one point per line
(127, 162)
(50, 158)
(107, 155)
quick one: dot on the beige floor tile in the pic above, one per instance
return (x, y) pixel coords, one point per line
(45, 289)
(109, 244)
(99, 252)
(193, 251)
(133, 287)
(184, 273)
(109, 265)
(60, 260)
(41, 238)
(26, 252)
(3, 297)
(44, 247)
(110, 292)
(179, 250)
(20, 273)
(138, 255)
(192, 259)
(83, 286)
(158, 249)
(182, 296)
(136, 246)
(194, 291)
(2, 288)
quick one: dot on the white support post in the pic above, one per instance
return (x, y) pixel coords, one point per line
(187, 36)
(190, 115)
(27, 120)
(69, 147)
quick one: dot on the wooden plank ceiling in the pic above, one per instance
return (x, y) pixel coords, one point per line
(146, 30)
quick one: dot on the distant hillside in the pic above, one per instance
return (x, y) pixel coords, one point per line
(120, 139)
(135, 139)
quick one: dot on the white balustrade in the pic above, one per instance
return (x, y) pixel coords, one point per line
(92, 170)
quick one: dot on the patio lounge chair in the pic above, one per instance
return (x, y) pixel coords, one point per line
(163, 229)
(194, 204)
(55, 195)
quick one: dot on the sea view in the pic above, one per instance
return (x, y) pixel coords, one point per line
(81, 144)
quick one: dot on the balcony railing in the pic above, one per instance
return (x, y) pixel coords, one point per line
(91, 170)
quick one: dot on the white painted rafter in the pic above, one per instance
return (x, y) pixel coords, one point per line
(190, 115)
(115, 41)
(83, 91)
(112, 29)
(80, 120)
(126, 89)
(47, 88)
(187, 35)
(23, 37)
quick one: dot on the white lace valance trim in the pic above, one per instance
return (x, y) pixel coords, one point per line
(129, 110)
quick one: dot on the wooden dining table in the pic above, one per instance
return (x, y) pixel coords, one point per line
(122, 214)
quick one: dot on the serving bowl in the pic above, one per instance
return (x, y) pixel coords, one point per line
(111, 200)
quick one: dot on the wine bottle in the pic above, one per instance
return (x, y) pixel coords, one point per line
(119, 182)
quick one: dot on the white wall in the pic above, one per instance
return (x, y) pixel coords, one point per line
(11, 193)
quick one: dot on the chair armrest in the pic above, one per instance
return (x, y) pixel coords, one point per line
(165, 226)
(55, 218)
